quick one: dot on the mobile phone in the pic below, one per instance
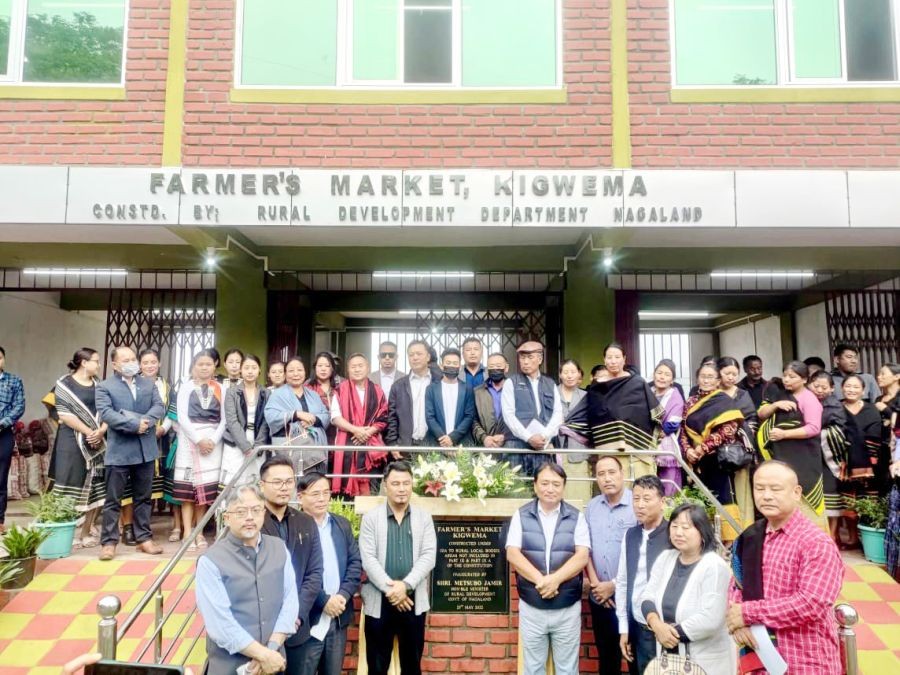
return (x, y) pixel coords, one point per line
(120, 668)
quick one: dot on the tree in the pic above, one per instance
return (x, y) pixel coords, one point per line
(76, 50)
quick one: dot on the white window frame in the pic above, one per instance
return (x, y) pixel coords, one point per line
(785, 66)
(15, 68)
(344, 58)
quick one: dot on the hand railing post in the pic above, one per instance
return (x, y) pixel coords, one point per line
(108, 607)
(158, 641)
(847, 618)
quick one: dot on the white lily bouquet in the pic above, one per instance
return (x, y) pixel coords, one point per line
(466, 474)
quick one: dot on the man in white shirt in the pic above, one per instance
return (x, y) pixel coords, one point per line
(387, 373)
(640, 548)
(406, 404)
(532, 409)
(549, 578)
(449, 405)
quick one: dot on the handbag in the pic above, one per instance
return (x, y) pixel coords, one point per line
(674, 664)
(733, 457)
(298, 435)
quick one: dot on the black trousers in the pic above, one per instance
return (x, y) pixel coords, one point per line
(141, 476)
(7, 441)
(606, 637)
(407, 627)
(643, 646)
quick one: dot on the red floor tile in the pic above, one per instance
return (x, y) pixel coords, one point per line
(876, 611)
(29, 602)
(139, 567)
(45, 627)
(66, 650)
(867, 639)
(850, 575)
(889, 592)
(66, 566)
(86, 582)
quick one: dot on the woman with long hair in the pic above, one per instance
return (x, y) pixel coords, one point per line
(198, 459)
(275, 375)
(672, 403)
(573, 398)
(889, 381)
(245, 424)
(324, 382)
(76, 467)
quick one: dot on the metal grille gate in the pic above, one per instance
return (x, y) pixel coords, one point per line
(868, 320)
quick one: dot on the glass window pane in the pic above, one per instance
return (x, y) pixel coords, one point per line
(725, 42)
(5, 15)
(509, 43)
(817, 38)
(375, 30)
(289, 43)
(74, 41)
(870, 40)
(428, 43)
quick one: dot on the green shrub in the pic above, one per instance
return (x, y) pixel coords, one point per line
(23, 542)
(53, 508)
(872, 511)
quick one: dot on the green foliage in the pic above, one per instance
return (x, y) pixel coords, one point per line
(341, 508)
(872, 511)
(4, 44)
(53, 508)
(744, 79)
(58, 49)
(22, 542)
(690, 495)
(8, 572)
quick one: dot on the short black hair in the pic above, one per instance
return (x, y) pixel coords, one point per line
(842, 347)
(233, 350)
(474, 339)
(2, 351)
(750, 358)
(700, 520)
(275, 460)
(501, 355)
(822, 375)
(387, 342)
(450, 351)
(612, 457)
(147, 352)
(554, 467)
(400, 465)
(727, 361)
(307, 480)
(811, 361)
(596, 369)
(413, 343)
(649, 482)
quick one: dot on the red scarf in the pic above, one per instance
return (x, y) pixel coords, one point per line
(371, 412)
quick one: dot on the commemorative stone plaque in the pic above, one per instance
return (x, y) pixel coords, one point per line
(471, 574)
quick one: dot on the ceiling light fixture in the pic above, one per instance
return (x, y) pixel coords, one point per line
(653, 314)
(422, 275)
(608, 258)
(76, 271)
(415, 312)
(764, 274)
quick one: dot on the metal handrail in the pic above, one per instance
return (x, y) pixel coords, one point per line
(155, 590)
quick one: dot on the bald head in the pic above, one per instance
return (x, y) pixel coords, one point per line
(774, 469)
(776, 492)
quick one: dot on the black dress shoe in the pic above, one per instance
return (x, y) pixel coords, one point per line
(128, 536)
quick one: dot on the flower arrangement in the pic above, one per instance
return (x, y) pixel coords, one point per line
(465, 475)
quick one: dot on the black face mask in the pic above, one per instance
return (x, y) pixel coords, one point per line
(496, 375)
(451, 373)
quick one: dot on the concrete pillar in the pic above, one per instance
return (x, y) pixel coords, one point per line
(241, 305)
(588, 312)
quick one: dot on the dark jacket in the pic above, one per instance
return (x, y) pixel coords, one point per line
(465, 413)
(486, 423)
(399, 429)
(562, 548)
(123, 413)
(306, 556)
(657, 542)
(350, 567)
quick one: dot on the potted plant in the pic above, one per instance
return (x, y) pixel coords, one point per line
(466, 475)
(57, 516)
(873, 515)
(21, 545)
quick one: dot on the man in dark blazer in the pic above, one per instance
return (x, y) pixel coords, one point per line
(130, 404)
(301, 536)
(449, 397)
(406, 404)
(332, 612)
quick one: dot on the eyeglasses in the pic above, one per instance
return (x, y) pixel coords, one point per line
(242, 512)
(387, 355)
(278, 483)
(319, 494)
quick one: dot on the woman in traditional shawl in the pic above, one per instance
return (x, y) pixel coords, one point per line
(889, 381)
(571, 395)
(672, 403)
(622, 411)
(791, 421)
(711, 420)
(359, 411)
(730, 373)
(324, 382)
(76, 468)
(834, 444)
(198, 459)
(297, 417)
(892, 529)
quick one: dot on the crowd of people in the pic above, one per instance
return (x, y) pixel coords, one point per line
(793, 449)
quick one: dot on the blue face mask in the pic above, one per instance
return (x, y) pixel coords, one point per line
(131, 368)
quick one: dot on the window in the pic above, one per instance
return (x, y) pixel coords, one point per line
(777, 42)
(62, 41)
(675, 346)
(398, 43)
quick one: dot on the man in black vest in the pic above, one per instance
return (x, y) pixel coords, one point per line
(301, 536)
(642, 545)
(549, 579)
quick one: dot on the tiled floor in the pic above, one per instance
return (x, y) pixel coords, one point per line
(55, 618)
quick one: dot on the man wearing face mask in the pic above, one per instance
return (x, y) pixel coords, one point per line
(130, 404)
(449, 405)
(489, 429)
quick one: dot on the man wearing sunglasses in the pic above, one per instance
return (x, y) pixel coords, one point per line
(387, 372)
(300, 534)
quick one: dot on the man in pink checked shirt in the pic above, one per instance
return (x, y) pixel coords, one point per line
(788, 573)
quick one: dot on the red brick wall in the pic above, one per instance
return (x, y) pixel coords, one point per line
(99, 132)
(217, 132)
(818, 135)
(476, 643)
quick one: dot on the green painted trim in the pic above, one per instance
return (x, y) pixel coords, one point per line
(621, 111)
(787, 95)
(173, 116)
(55, 93)
(399, 96)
